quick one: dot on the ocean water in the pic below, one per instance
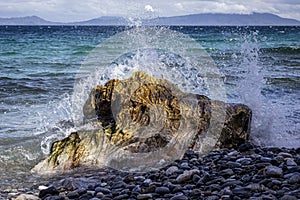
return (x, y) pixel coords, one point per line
(40, 67)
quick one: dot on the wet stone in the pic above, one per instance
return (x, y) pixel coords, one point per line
(108, 196)
(188, 187)
(256, 187)
(297, 159)
(171, 170)
(285, 155)
(295, 192)
(226, 191)
(241, 191)
(137, 189)
(245, 147)
(273, 171)
(99, 195)
(196, 192)
(49, 191)
(51, 198)
(178, 188)
(233, 153)
(179, 197)
(85, 197)
(226, 197)
(78, 193)
(276, 182)
(119, 184)
(81, 191)
(287, 176)
(73, 194)
(246, 178)
(291, 169)
(196, 178)
(103, 184)
(162, 190)
(122, 196)
(244, 161)
(261, 165)
(139, 178)
(233, 164)
(149, 189)
(185, 166)
(186, 176)
(268, 197)
(129, 178)
(147, 181)
(290, 162)
(265, 159)
(213, 197)
(144, 196)
(231, 183)
(277, 160)
(216, 176)
(288, 197)
(103, 190)
(213, 187)
(226, 172)
(295, 178)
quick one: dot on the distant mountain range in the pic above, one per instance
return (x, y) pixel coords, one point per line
(259, 19)
(29, 20)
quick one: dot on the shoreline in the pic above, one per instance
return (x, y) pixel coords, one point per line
(251, 172)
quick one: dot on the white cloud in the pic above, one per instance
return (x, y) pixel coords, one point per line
(149, 8)
(65, 10)
(179, 6)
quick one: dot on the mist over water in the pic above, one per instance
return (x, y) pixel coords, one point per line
(39, 66)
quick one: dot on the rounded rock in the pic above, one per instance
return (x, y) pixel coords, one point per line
(171, 170)
(144, 196)
(245, 147)
(103, 190)
(99, 195)
(136, 189)
(273, 171)
(139, 178)
(285, 155)
(179, 197)
(244, 161)
(147, 181)
(73, 194)
(226, 173)
(290, 162)
(49, 191)
(186, 176)
(295, 178)
(185, 166)
(122, 196)
(288, 197)
(162, 190)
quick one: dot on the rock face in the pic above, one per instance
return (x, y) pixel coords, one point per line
(142, 123)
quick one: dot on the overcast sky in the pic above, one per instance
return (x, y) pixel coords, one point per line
(77, 10)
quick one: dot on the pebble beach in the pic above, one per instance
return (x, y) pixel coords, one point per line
(250, 172)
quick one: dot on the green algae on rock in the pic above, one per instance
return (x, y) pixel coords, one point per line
(143, 123)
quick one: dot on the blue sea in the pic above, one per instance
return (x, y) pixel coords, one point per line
(40, 67)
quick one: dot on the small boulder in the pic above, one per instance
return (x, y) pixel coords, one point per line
(273, 171)
(186, 176)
